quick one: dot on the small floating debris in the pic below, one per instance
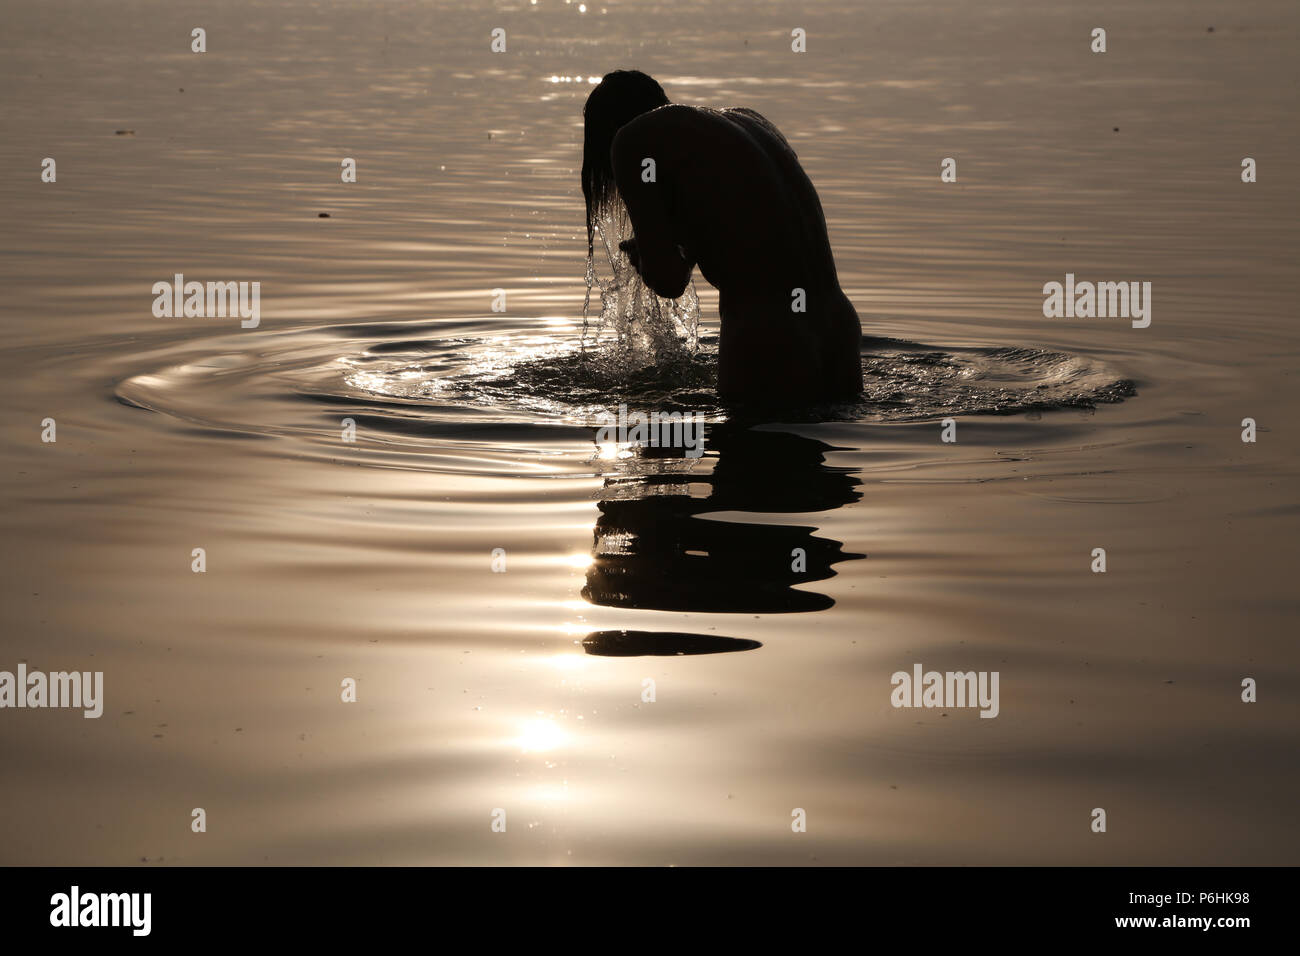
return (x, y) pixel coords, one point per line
(124, 132)
(322, 215)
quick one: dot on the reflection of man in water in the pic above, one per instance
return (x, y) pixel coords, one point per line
(727, 194)
(659, 545)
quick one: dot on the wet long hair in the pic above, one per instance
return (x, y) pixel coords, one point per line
(619, 98)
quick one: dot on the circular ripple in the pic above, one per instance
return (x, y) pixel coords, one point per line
(414, 384)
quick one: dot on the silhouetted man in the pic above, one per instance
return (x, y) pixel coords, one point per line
(727, 194)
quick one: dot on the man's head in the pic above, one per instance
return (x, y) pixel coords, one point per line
(620, 97)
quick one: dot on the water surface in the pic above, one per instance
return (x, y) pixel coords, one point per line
(523, 690)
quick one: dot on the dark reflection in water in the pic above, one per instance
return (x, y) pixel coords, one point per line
(661, 644)
(658, 546)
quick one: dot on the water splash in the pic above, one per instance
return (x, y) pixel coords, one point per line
(636, 327)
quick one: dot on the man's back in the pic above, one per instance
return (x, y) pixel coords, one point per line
(734, 197)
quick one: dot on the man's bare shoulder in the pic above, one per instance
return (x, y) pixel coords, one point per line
(679, 128)
(674, 118)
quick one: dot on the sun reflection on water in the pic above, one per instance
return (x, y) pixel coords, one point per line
(540, 734)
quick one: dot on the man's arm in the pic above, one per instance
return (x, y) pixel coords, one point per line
(658, 257)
